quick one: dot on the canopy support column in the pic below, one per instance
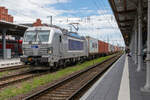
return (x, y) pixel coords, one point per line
(140, 47)
(4, 43)
(147, 85)
(136, 42)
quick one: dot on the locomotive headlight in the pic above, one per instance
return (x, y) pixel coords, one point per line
(50, 50)
(23, 51)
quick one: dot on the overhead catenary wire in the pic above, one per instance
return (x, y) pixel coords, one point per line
(97, 7)
(97, 3)
(25, 15)
(42, 7)
(66, 8)
(104, 13)
(104, 9)
(117, 29)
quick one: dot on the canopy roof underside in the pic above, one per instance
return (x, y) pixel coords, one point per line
(125, 12)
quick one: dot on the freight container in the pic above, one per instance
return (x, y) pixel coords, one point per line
(106, 48)
(92, 45)
(110, 48)
(116, 49)
(101, 49)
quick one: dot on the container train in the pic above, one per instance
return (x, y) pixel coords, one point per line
(57, 47)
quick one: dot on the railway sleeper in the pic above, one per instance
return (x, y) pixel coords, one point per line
(51, 98)
(66, 90)
(58, 95)
(60, 92)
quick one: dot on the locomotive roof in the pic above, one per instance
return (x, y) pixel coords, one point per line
(40, 28)
(75, 35)
(47, 28)
(64, 31)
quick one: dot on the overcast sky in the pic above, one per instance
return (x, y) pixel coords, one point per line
(95, 17)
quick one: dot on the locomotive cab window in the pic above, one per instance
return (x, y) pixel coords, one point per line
(30, 36)
(42, 36)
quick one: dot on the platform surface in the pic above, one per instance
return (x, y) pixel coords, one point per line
(120, 82)
(137, 81)
(10, 62)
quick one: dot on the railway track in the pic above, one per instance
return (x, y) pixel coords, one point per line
(9, 80)
(12, 68)
(70, 88)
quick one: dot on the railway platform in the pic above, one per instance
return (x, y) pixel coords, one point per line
(10, 62)
(120, 82)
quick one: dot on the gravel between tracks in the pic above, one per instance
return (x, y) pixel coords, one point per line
(13, 72)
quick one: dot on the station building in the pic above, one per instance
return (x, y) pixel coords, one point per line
(10, 35)
(5, 16)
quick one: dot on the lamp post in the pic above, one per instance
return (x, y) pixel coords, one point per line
(50, 19)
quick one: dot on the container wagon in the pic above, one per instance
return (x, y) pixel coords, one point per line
(102, 48)
(93, 49)
(106, 48)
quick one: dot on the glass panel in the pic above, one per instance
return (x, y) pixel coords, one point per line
(43, 36)
(30, 36)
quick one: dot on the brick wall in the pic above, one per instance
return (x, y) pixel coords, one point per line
(4, 15)
(38, 23)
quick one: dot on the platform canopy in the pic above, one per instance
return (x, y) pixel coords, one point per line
(125, 12)
(12, 29)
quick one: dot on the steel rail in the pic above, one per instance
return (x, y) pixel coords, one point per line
(60, 83)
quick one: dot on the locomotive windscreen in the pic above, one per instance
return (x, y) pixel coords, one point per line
(30, 36)
(42, 36)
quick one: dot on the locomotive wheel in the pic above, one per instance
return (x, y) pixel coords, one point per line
(64, 64)
(26, 63)
(50, 66)
(56, 65)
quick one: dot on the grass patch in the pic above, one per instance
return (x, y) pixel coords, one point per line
(3, 73)
(27, 86)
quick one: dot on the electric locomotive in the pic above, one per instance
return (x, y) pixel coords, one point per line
(52, 46)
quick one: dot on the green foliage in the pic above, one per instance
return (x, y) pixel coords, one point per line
(3, 73)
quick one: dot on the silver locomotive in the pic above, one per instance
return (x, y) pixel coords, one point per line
(52, 46)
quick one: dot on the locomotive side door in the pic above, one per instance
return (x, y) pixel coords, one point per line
(63, 45)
